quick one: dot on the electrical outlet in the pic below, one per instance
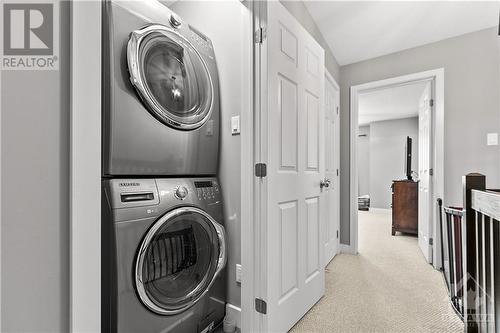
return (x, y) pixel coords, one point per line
(238, 273)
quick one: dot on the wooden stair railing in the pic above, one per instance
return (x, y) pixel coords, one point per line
(481, 255)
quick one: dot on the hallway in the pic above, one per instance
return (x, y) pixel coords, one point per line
(388, 287)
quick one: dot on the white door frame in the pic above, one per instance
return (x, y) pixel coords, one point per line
(85, 167)
(437, 77)
(250, 319)
(330, 78)
(253, 284)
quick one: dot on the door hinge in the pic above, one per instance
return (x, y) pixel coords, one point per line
(431, 172)
(337, 234)
(337, 172)
(431, 102)
(431, 241)
(260, 306)
(260, 170)
(337, 110)
(259, 36)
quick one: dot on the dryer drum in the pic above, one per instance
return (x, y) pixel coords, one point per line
(170, 253)
(170, 76)
(179, 259)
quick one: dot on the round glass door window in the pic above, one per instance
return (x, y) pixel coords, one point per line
(179, 259)
(170, 76)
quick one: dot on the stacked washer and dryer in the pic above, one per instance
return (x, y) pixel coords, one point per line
(163, 239)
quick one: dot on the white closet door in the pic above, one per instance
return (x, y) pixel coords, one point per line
(294, 206)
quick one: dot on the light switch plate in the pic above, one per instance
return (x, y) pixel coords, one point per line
(492, 139)
(238, 273)
(235, 125)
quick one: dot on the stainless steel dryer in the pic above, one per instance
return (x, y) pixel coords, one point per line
(160, 93)
(163, 246)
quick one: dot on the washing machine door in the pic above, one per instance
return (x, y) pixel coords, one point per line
(170, 76)
(179, 259)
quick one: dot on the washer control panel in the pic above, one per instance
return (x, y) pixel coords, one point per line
(181, 192)
(207, 190)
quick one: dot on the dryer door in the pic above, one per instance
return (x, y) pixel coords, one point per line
(170, 76)
(179, 259)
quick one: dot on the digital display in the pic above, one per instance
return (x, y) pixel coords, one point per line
(202, 184)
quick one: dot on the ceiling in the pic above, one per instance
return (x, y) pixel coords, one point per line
(357, 31)
(390, 103)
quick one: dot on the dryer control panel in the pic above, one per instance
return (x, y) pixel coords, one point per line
(207, 190)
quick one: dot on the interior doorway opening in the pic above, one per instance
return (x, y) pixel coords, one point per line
(397, 158)
(388, 160)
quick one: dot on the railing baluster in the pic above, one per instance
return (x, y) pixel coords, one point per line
(496, 275)
(457, 219)
(493, 246)
(478, 268)
(453, 264)
(484, 310)
(487, 271)
(451, 257)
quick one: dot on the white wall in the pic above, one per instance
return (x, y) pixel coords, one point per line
(381, 157)
(471, 63)
(224, 23)
(387, 156)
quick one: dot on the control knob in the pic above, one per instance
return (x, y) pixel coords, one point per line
(181, 192)
(175, 21)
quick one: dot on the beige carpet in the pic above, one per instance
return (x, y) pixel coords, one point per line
(388, 287)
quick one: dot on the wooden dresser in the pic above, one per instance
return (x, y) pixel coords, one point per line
(404, 206)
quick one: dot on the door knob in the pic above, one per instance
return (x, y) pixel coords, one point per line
(324, 183)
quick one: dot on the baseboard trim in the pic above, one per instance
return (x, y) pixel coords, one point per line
(234, 312)
(381, 210)
(345, 248)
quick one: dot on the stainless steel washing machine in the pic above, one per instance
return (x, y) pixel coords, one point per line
(163, 247)
(160, 93)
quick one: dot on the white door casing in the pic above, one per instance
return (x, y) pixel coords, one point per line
(424, 172)
(332, 156)
(436, 76)
(293, 146)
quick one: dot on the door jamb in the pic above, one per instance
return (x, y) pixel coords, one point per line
(251, 320)
(329, 77)
(437, 76)
(85, 167)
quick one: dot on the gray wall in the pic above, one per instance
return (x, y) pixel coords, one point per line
(228, 46)
(364, 160)
(387, 156)
(35, 190)
(300, 12)
(471, 64)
